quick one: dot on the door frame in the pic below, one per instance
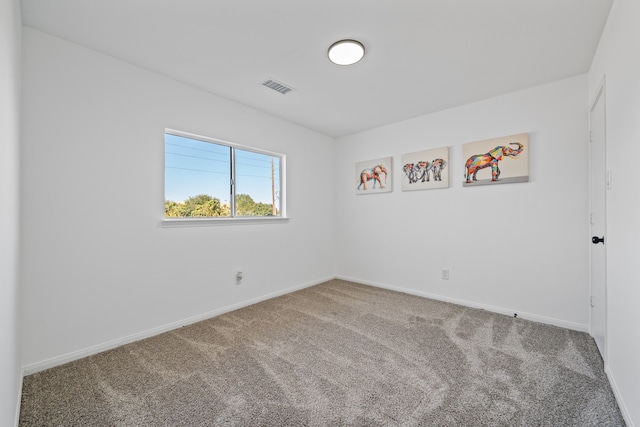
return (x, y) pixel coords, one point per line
(600, 96)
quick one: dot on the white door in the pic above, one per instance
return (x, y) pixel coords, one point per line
(598, 243)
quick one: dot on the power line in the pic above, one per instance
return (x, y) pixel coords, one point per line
(257, 176)
(197, 157)
(221, 161)
(219, 153)
(220, 173)
(253, 166)
(196, 170)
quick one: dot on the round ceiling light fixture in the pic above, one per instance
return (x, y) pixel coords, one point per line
(346, 52)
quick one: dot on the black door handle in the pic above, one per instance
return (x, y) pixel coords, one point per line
(595, 240)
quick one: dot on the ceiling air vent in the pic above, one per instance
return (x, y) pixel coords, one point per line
(277, 86)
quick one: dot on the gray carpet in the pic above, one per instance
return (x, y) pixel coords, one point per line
(335, 354)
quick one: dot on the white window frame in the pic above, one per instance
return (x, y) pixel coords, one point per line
(192, 221)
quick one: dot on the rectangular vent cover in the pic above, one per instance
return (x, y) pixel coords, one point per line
(277, 86)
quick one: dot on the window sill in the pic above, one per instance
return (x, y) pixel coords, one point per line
(206, 222)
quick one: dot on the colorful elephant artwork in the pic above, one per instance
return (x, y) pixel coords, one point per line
(481, 161)
(372, 174)
(514, 147)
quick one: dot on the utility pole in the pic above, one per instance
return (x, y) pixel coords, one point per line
(273, 189)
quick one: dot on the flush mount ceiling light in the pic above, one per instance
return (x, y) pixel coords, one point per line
(346, 52)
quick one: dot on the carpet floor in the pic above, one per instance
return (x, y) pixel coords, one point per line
(335, 354)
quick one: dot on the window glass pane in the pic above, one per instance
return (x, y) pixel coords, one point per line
(257, 184)
(197, 178)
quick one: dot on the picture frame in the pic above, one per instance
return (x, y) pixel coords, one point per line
(426, 170)
(374, 176)
(502, 160)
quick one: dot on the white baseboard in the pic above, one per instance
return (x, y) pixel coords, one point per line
(500, 310)
(19, 402)
(616, 392)
(79, 354)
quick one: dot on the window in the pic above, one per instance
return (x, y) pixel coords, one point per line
(208, 178)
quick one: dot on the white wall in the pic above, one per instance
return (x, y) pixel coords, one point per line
(510, 248)
(617, 57)
(10, 369)
(97, 268)
(96, 265)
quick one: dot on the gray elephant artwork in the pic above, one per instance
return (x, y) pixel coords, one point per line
(496, 161)
(424, 170)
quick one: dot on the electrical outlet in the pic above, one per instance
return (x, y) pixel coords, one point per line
(238, 277)
(445, 274)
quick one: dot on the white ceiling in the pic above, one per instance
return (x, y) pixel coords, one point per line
(422, 56)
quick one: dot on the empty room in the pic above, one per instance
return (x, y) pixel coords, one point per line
(388, 213)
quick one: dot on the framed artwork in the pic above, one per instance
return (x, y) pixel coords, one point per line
(496, 161)
(425, 170)
(374, 176)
